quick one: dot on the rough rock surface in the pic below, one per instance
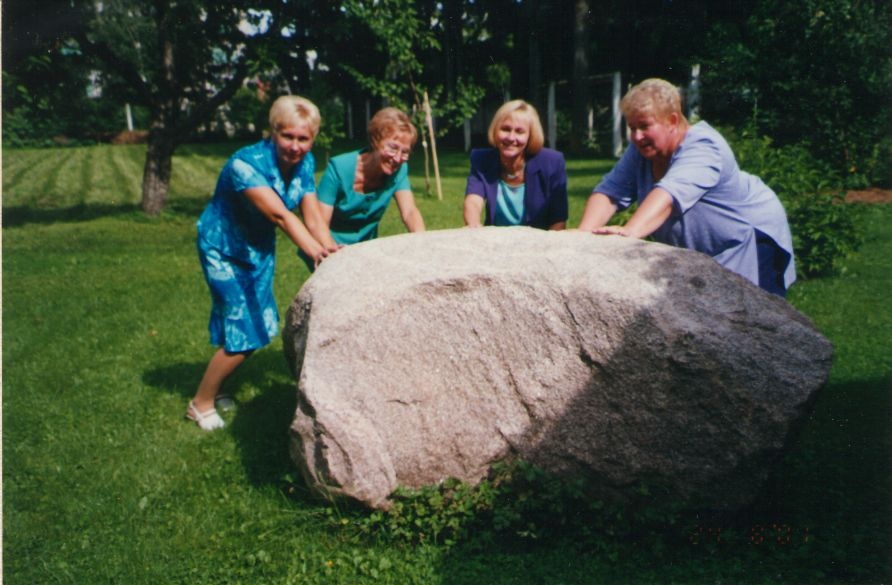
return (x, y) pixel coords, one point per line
(426, 356)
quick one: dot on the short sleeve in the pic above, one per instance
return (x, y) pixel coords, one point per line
(243, 175)
(329, 185)
(620, 184)
(695, 170)
(401, 181)
(307, 176)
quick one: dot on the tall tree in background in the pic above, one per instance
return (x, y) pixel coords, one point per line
(181, 58)
(580, 79)
(409, 59)
(46, 80)
(812, 71)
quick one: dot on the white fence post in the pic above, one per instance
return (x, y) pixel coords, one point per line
(467, 129)
(552, 117)
(129, 115)
(617, 116)
(694, 94)
(349, 119)
(591, 123)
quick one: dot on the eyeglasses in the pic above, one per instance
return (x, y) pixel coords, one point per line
(394, 150)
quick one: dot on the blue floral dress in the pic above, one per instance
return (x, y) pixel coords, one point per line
(237, 246)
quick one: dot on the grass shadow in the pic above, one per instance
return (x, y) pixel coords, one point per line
(260, 426)
(259, 423)
(181, 378)
(19, 215)
(838, 468)
(24, 214)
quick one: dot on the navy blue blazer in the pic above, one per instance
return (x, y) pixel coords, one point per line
(545, 180)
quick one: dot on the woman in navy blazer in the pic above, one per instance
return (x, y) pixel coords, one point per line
(517, 180)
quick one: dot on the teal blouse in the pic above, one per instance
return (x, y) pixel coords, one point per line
(356, 215)
(510, 204)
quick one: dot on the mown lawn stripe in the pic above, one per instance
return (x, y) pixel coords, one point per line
(127, 163)
(90, 185)
(63, 187)
(190, 179)
(26, 184)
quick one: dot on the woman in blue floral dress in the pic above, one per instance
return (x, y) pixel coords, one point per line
(256, 192)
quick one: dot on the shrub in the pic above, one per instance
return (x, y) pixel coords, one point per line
(812, 69)
(521, 503)
(825, 230)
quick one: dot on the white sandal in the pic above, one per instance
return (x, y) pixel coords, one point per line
(207, 420)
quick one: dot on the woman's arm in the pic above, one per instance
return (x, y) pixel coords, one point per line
(598, 210)
(270, 205)
(650, 215)
(409, 213)
(318, 222)
(472, 209)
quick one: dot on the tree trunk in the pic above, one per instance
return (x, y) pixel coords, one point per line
(452, 45)
(534, 55)
(156, 173)
(581, 100)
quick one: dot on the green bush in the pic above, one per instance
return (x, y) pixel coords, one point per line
(825, 230)
(520, 503)
(810, 70)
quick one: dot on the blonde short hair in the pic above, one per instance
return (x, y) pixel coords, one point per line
(290, 110)
(526, 110)
(653, 96)
(389, 121)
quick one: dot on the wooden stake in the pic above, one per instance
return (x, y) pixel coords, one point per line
(430, 129)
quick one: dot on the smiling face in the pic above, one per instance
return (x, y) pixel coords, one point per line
(512, 135)
(393, 151)
(652, 136)
(292, 142)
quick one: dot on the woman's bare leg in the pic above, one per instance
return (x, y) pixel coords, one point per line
(222, 364)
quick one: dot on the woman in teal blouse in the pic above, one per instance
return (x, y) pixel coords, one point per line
(357, 186)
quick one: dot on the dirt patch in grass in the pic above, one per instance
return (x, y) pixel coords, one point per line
(130, 137)
(872, 195)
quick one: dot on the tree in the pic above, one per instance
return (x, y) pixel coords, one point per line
(816, 72)
(403, 37)
(181, 59)
(580, 81)
(46, 80)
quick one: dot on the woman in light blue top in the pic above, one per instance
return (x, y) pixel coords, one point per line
(691, 192)
(256, 191)
(357, 187)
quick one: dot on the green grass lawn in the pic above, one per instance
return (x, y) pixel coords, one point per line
(104, 341)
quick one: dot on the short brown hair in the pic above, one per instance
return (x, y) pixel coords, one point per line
(389, 121)
(537, 136)
(652, 96)
(289, 110)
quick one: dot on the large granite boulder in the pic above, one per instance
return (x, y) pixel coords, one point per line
(426, 356)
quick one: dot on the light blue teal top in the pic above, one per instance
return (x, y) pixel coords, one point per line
(718, 209)
(509, 204)
(356, 216)
(237, 244)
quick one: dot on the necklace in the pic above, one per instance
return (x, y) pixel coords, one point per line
(515, 175)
